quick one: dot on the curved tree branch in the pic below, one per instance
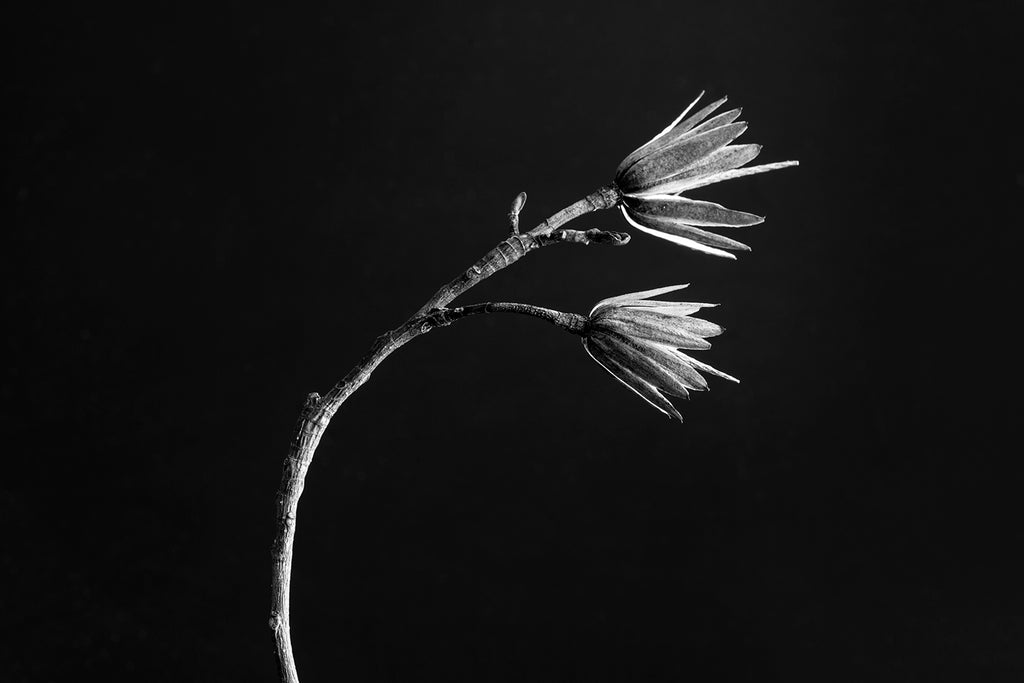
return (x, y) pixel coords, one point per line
(318, 411)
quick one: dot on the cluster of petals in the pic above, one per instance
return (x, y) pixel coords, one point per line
(644, 342)
(693, 151)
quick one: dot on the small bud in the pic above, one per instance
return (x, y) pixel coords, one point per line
(513, 215)
(518, 203)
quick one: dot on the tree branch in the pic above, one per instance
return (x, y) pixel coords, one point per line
(317, 412)
(517, 246)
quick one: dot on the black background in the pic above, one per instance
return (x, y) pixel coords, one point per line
(216, 210)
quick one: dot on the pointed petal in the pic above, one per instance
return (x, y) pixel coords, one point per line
(675, 209)
(677, 157)
(642, 149)
(725, 159)
(673, 230)
(685, 324)
(638, 315)
(699, 116)
(702, 180)
(679, 118)
(687, 242)
(709, 239)
(717, 121)
(655, 333)
(668, 360)
(641, 388)
(645, 361)
(670, 307)
(669, 135)
(684, 371)
(700, 327)
(707, 368)
(646, 294)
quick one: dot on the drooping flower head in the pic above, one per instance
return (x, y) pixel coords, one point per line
(641, 342)
(691, 152)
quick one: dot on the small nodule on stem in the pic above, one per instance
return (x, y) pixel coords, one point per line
(513, 215)
(518, 203)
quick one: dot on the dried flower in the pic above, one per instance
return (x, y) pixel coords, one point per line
(690, 153)
(641, 342)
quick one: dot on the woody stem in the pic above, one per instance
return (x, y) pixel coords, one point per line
(317, 412)
(517, 246)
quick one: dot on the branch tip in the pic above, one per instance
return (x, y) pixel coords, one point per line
(592, 236)
(513, 215)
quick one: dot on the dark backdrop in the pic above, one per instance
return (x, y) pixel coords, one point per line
(217, 210)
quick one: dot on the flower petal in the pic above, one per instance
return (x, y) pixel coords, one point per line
(704, 367)
(676, 157)
(652, 317)
(717, 121)
(675, 239)
(725, 159)
(670, 307)
(686, 235)
(684, 367)
(641, 387)
(679, 118)
(670, 135)
(673, 186)
(668, 362)
(688, 124)
(640, 151)
(635, 296)
(692, 212)
(646, 361)
(652, 332)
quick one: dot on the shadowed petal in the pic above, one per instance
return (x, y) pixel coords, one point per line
(707, 368)
(635, 315)
(674, 186)
(676, 157)
(646, 294)
(725, 159)
(676, 120)
(643, 360)
(643, 300)
(672, 337)
(675, 230)
(683, 129)
(690, 211)
(669, 136)
(695, 327)
(669, 361)
(643, 149)
(642, 388)
(688, 242)
(717, 121)
(670, 307)
(685, 372)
